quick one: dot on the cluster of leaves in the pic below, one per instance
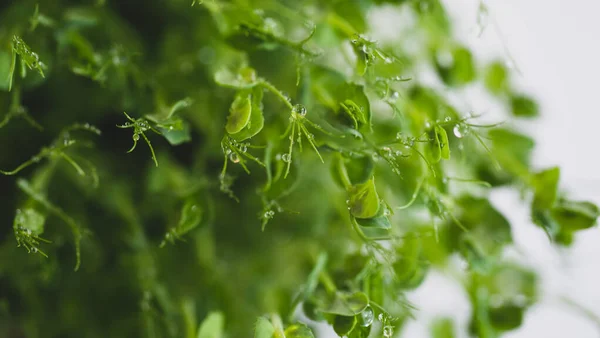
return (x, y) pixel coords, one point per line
(230, 225)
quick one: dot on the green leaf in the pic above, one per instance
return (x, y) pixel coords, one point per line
(443, 328)
(364, 201)
(442, 138)
(263, 328)
(347, 304)
(212, 326)
(347, 100)
(298, 331)
(507, 317)
(575, 215)
(343, 325)
(380, 221)
(239, 113)
(177, 136)
(523, 106)
(496, 78)
(31, 219)
(456, 68)
(545, 185)
(257, 120)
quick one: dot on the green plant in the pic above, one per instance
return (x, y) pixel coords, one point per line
(252, 206)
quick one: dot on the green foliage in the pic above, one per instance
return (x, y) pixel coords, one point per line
(395, 182)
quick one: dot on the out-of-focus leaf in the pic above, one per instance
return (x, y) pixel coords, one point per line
(496, 78)
(347, 304)
(545, 185)
(263, 328)
(298, 331)
(523, 106)
(575, 215)
(212, 326)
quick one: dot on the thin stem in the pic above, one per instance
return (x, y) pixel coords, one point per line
(276, 91)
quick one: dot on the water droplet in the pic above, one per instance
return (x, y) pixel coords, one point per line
(269, 214)
(28, 232)
(388, 331)
(460, 130)
(136, 137)
(287, 158)
(34, 250)
(380, 317)
(233, 157)
(387, 212)
(299, 109)
(388, 60)
(394, 96)
(447, 119)
(398, 135)
(427, 125)
(367, 317)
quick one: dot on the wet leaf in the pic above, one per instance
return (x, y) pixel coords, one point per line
(363, 200)
(257, 120)
(239, 113)
(347, 304)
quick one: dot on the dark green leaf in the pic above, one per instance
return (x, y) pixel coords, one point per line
(524, 106)
(343, 325)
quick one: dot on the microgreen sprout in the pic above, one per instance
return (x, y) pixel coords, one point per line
(140, 126)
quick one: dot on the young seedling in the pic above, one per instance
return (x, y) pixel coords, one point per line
(140, 126)
(27, 57)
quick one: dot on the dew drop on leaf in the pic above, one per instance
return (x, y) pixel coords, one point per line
(233, 157)
(388, 331)
(299, 109)
(460, 130)
(367, 317)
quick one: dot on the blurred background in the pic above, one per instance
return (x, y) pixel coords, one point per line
(555, 45)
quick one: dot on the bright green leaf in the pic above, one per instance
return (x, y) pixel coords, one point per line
(298, 331)
(212, 326)
(363, 200)
(239, 113)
